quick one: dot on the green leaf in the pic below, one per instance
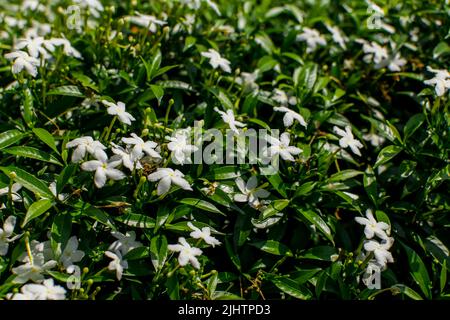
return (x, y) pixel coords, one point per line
(189, 42)
(273, 208)
(306, 76)
(319, 253)
(158, 91)
(60, 232)
(175, 84)
(305, 189)
(413, 124)
(32, 153)
(155, 64)
(443, 276)
(276, 182)
(387, 154)
(99, 215)
(418, 271)
(224, 173)
(137, 220)
(293, 289)
(173, 288)
(370, 185)
(158, 251)
(36, 209)
(85, 81)
(382, 217)
(406, 290)
(344, 175)
(441, 49)
(46, 137)
(65, 176)
(29, 181)
(222, 97)
(265, 42)
(28, 109)
(71, 91)
(316, 220)
(201, 204)
(10, 137)
(137, 253)
(273, 247)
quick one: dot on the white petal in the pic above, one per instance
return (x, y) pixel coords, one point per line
(163, 185)
(100, 177)
(91, 165)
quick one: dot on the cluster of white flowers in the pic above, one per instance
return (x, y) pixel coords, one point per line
(38, 48)
(47, 290)
(347, 139)
(379, 249)
(188, 253)
(313, 39)
(146, 21)
(379, 55)
(441, 81)
(119, 248)
(216, 60)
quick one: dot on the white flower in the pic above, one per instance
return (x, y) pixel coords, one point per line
(395, 63)
(104, 169)
(167, 176)
(372, 227)
(250, 192)
(141, 146)
(117, 263)
(375, 140)
(71, 254)
(32, 270)
(281, 147)
(45, 291)
(146, 21)
(60, 196)
(94, 6)
(215, 60)
(441, 81)
(181, 148)
(282, 98)
(204, 233)
(6, 233)
(290, 116)
(338, 37)
(195, 4)
(67, 47)
(374, 52)
(128, 158)
(119, 111)
(35, 46)
(39, 250)
(348, 140)
(125, 242)
(15, 188)
(248, 80)
(380, 250)
(89, 145)
(23, 60)
(313, 39)
(187, 253)
(228, 118)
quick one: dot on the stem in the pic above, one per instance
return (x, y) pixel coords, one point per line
(108, 132)
(27, 246)
(10, 199)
